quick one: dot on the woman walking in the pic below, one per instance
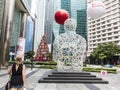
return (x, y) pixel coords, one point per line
(18, 76)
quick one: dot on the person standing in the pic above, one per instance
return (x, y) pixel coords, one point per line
(18, 75)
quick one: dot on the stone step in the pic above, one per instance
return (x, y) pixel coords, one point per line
(72, 78)
(74, 81)
(71, 75)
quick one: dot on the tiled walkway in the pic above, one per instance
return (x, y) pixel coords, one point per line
(32, 82)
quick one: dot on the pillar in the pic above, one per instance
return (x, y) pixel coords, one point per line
(6, 30)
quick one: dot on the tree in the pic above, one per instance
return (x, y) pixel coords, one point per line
(105, 51)
(29, 54)
(102, 57)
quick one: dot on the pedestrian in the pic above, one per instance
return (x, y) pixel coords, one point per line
(17, 75)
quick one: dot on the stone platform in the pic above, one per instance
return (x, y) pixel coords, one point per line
(71, 77)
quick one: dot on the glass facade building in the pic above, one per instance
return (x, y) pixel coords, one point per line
(17, 21)
(29, 34)
(77, 10)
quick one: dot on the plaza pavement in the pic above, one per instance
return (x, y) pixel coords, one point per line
(32, 81)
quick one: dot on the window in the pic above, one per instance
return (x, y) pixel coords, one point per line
(99, 40)
(115, 37)
(116, 32)
(116, 42)
(104, 35)
(104, 39)
(103, 22)
(103, 26)
(98, 31)
(98, 24)
(109, 25)
(103, 30)
(109, 33)
(98, 28)
(115, 23)
(115, 28)
(94, 40)
(109, 29)
(98, 36)
(109, 38)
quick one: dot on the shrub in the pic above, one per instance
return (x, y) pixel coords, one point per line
(109, 70)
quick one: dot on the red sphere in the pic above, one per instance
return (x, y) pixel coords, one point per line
(61, 16)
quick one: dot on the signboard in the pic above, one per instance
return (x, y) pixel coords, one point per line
(20, 48)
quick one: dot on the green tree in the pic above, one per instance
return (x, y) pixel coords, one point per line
(102, 57)
(106, 51)
(29, 54)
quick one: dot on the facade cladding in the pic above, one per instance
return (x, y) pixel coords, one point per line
(1, 12)
(27, 4)
(49, 20)
(77, 10)
(29, 34)
(15, 29)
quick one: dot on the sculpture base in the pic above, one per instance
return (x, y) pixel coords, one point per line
(71, 77)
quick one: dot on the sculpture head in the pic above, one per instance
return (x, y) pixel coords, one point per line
(70, 25)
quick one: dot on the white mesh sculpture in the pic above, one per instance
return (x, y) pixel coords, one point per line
(69, 49)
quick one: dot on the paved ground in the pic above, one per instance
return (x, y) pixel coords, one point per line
(34, 75)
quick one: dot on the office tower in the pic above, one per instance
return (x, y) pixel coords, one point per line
(77, 11)
(106, 28)
(39, 21)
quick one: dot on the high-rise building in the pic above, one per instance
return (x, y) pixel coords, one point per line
(39, 21)
(77, 11)
(105, 28)
(44, 22)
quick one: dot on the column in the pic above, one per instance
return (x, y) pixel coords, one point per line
(6, 30)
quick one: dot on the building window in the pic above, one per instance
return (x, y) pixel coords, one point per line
(98, 28)
(98, 31)
(109, 38)
(103, 30)
(115, 28)
(109, 25)
(104, 39)
(99, 40)
(98, 24)
(98, 36)
(109, 29)
(103, 22)
(115, 23)
(116, 42)
(104, 35)
(116, 37)
(103, 26)
(98, 20)
(109, 33)
(116, 32)
(94, 36)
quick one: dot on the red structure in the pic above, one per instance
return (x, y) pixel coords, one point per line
(43, 50)
(61, 16)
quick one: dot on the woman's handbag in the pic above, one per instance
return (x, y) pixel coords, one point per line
(7, 86)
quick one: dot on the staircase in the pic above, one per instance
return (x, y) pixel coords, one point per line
(71, 77)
